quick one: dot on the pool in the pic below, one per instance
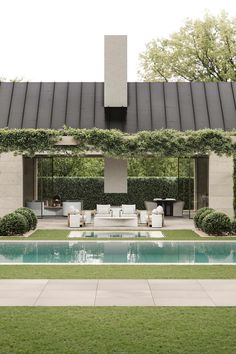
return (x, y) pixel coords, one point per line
(117, 252)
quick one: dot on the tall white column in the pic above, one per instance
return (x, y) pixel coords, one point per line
(11, 182)
(221, 184)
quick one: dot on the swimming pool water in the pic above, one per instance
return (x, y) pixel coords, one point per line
(128, 252)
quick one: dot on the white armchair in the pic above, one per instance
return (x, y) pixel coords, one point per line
(178, 208)
(36, 206)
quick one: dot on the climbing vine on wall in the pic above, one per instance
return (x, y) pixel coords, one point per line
(116, 143)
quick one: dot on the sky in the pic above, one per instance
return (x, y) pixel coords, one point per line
(62, 40)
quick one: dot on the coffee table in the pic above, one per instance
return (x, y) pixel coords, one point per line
(111, 221)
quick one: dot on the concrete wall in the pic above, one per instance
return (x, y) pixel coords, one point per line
(11, 183)
(221, 184)
(115, 71)
(115, 176)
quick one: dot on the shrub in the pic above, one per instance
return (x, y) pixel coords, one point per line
(203, 215)
(198, 214)
(30, 216)
(233, 226)
(216, 223)
(13, 224)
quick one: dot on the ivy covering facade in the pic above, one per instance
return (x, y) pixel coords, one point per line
(115, 143)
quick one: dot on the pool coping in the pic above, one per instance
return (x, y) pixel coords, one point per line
(113, 240)
(119, 264)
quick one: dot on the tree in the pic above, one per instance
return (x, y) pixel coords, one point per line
(202, 50)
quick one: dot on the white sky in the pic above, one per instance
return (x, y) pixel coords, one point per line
(62, 40)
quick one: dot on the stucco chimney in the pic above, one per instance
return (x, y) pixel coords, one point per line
(115, 71)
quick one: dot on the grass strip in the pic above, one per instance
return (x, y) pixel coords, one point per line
(169, 235)
(117, 330)
(117, 272)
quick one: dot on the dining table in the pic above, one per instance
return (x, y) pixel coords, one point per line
(167, 204)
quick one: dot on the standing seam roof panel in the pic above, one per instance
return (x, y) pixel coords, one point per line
(59, 107)
(185, 106)
(100, 121)
(73, 105)
(158, 106)
(214, 106)
(45, 105)
(199, 105)
(31, 105)
(131, 123)
(228, 105)
(17, 105)
(143, 104)
(172, 106)
(5, 98)
(87, 107)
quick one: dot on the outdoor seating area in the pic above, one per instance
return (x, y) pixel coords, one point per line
(71, 214)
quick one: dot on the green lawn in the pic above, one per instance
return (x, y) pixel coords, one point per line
(63, 235)
(117, 272)
(118, 330)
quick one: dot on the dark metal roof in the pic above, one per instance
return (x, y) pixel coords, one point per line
(180, 106)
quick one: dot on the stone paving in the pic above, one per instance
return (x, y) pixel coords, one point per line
(152, 292)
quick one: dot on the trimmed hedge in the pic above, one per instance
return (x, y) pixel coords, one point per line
(216, 223)
(30, 216)
(13, 224)
(197, 217)
(91, 190)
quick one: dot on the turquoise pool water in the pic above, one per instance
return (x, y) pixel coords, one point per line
(128, 252)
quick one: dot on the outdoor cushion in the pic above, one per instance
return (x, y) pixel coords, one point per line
(160, 209)
(103, 208)
(128, 208)
(155, 211)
